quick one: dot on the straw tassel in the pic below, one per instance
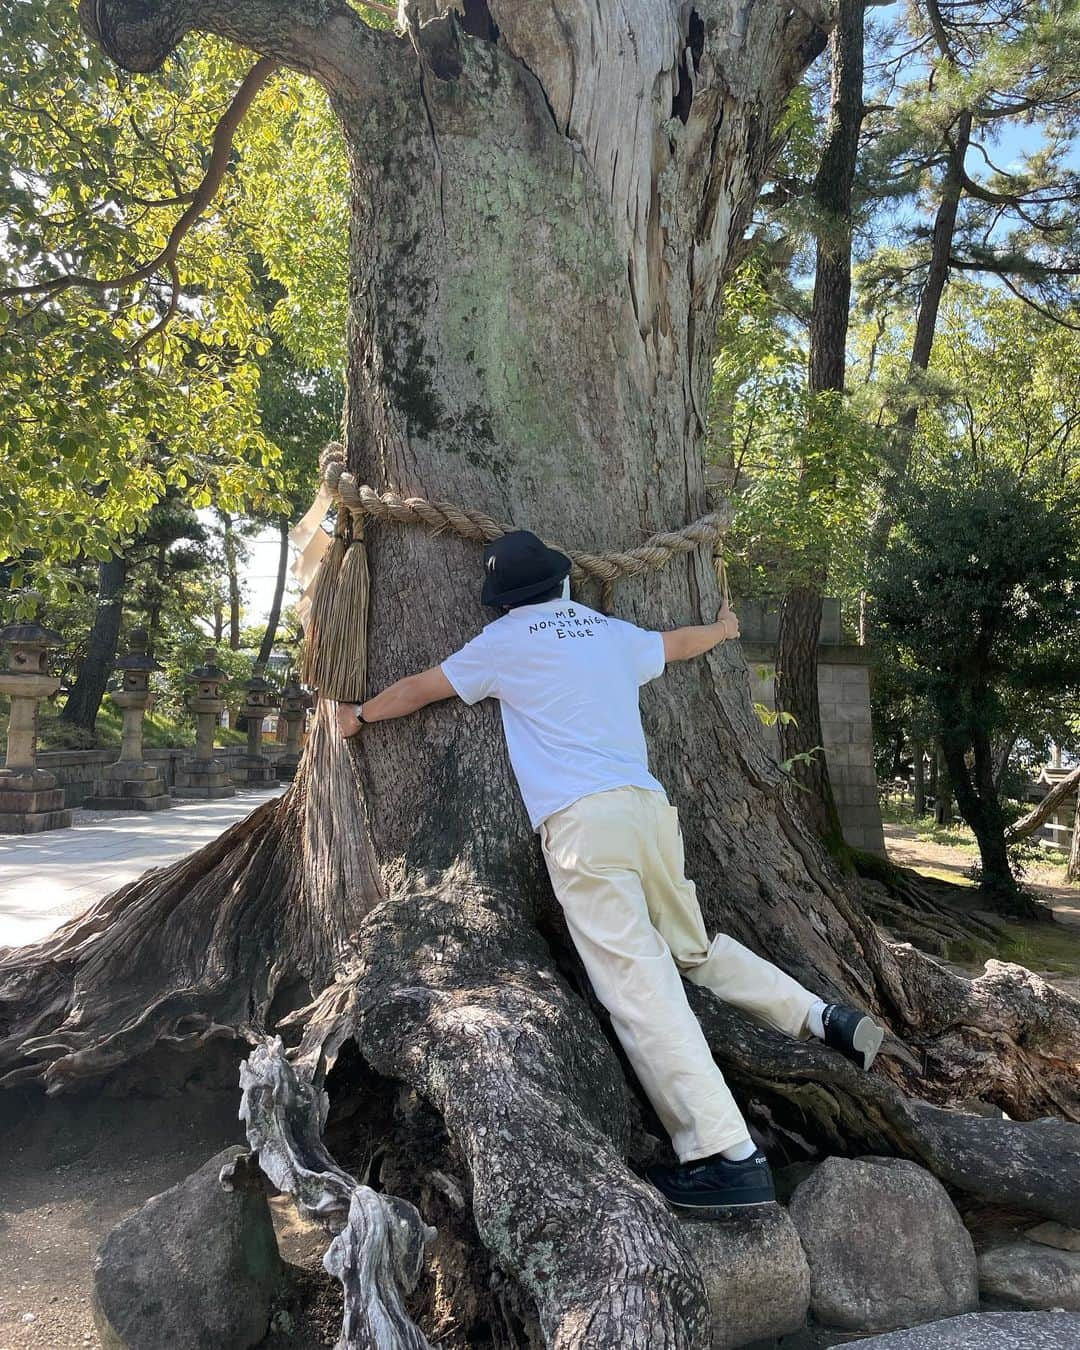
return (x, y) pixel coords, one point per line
(320, 619)
(720, 567)
(343, 648)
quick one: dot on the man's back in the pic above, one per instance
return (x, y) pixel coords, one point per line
(567, 679)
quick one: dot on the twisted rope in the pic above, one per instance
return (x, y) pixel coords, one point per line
(606, 568)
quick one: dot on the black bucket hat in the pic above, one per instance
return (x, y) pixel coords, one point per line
(518, 566)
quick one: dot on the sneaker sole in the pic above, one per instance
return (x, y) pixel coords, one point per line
(753, 1200)
(867, 1041)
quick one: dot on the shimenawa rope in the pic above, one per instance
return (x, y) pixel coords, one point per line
(336, 649)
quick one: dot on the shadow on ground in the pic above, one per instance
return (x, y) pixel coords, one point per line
(72, 1167)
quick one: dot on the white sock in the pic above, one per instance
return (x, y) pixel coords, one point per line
(814, 1023)
(739, 1152)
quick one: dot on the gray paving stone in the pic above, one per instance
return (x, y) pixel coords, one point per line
(984, 1331)
(47, 879)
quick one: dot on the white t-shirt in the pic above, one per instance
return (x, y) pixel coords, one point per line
(567, 680)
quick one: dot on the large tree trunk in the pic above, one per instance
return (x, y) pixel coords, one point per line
(800, 612)
(84, 701)
(540, 226)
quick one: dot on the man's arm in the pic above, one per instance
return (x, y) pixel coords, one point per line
(680, 644)
(400, 699)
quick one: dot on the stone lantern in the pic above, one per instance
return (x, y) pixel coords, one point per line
(295, 703)
(254, 767)
(131, 784)
(30, 801)
(203, 775)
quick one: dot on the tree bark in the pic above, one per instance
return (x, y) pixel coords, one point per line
(800, 610)
(963, 733)
(833, 190)
(84, 701)
(797, 695)
(274, 617)
(943, 792)
(1073, 869)
(229, 535)
(952, 189)
(541, 223)
(918, 780)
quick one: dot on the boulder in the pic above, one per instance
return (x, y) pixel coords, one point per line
(1055, 1235)
(755, 1273)
(984, 1331)
(195, 1268)
(1031, 1275)
(885, 1245)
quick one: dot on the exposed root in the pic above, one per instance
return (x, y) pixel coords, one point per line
(378, 1248)
(535, 1103)
(916, 910)
(812, 1101)
(216, 947)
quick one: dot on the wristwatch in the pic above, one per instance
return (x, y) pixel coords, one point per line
(358, 709)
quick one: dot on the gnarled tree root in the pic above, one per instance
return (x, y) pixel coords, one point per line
(535, 1103)
(935, 914)
(918, 910)
(216, 947)
(452, 991)
(810, 1099)
(378, 1247)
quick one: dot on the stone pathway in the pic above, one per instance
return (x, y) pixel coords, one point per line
(45, 879)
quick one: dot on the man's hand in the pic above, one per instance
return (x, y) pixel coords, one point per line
(348, 722)
(730, 621)
(682, 644)
(402, 698)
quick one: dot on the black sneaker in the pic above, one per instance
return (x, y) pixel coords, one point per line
(715, 1182)
(852, 1033)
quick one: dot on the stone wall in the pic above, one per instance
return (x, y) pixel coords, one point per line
(77, 770)
(844, 696)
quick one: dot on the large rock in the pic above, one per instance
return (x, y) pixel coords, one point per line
(194, 1269)
(1031, 1275)
(755, 1272)
(984, 1331)
(1055, 1235)
(885, 1245)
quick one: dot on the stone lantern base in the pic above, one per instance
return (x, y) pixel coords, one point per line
(287, 766)
(254, 769)
(30, 802)
(203, 778)
(129, 786)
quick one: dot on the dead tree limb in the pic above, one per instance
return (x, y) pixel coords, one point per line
(377, 1250)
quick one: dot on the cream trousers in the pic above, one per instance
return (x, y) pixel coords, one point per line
(616, 863)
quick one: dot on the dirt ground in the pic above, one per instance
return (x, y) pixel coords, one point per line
(72, 1168)
(907, 849)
